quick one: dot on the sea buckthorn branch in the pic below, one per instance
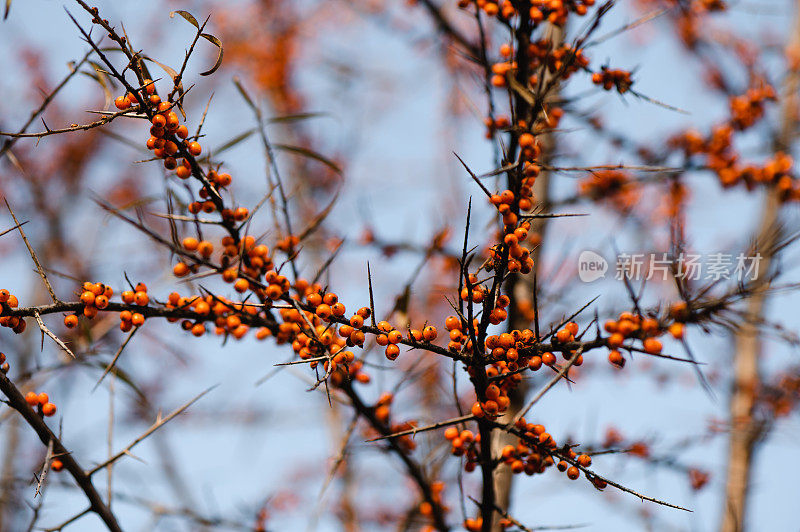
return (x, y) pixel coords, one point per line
(316, 319)
(84, 482)
(549, 448)
(414, 469)
(106, 119)
(157, 424)
(32, 253)
(446, 27)
(273, 170)
(9, 143)
(135, 96)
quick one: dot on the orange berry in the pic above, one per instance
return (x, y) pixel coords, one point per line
(616, 358)
(43, 398)
(392, 351)
(652, 346)
(195, 148)
(122, 103)
(141, 298)
(56, 465)
(71, 321)
(676, 330)
(48, 409)
(31, 398)
(205, 248)
(324, 311)
(526, 140)
(241, 285)
(180, 269)
(615, 340)
(476, 410)
(429, 333)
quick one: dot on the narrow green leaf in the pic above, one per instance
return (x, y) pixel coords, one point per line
(310, 154)
(233, 142)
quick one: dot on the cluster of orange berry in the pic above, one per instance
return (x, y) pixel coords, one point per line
(556, 11)
(288, 244)
(463, 442)
(95, 296)
(519, 259)
(748, 108)
(390, 337)
(4, 367)
(219, 181)
(491, 7)
(227, 315)
(610, 78)
(630, 325)
(9, 301)
(783, 395)
(498, 123)
(382, 411)
(564, 58)
(553, 11)
(352, 333)
(257, 263)
(165, 127)
(425, 508)
(615, 185)
(41, 402)
(321, 338)
(698, 479)
(722, 158)
(138, 296)
(168, 138)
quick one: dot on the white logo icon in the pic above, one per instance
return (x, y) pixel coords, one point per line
(591, 266)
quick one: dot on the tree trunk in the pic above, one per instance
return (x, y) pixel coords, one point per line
(746, 430)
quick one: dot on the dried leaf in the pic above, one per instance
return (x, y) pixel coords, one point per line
(104, 81)
(168, 69)
(216, 42)
(207, 36)
(186, 15)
